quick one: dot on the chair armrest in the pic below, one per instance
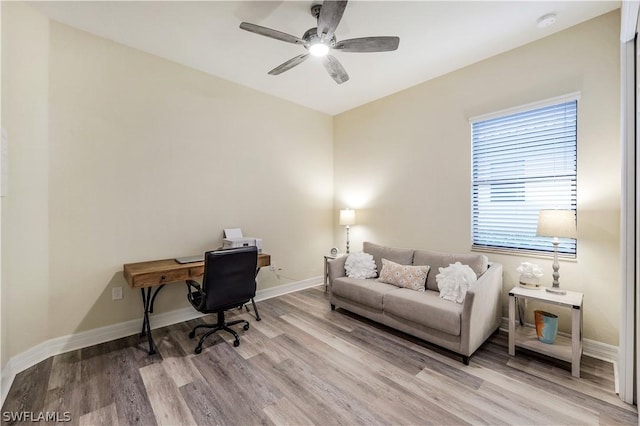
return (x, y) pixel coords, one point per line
(194, 284)
(482, 309)
(336, 268)
(198, 304)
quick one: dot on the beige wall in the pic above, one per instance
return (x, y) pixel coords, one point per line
(404, 161)
(119, 156)
(25, 256)
(149, 159)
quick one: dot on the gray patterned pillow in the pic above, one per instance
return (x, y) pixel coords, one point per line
(406, 276)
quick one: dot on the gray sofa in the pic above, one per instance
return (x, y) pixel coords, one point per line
(461, 328)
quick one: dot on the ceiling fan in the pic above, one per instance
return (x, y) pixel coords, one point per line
(320, 40)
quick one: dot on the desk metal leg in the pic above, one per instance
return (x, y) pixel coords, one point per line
(255, 308)
(147, 303)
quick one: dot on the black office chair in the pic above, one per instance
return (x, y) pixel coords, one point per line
(229, 282)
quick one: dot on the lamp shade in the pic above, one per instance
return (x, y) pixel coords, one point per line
(557, 223)
(347, 217)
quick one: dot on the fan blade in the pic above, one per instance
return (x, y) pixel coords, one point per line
(330, 16)
(335, 69)
(289, 64)
(368, 44)
(268, 32)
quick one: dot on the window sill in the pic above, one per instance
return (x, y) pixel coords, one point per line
(525, 253)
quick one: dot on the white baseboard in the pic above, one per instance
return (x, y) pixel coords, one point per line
(280, 290)
(592, 348)
(71, 342)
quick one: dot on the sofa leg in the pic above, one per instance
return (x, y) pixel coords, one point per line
(333, 307)
(465, 360)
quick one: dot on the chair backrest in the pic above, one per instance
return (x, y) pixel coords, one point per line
(229, 278)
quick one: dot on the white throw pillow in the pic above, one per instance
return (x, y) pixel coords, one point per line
(360, 265)
(453, 281)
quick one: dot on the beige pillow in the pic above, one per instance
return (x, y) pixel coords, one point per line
(406, 276)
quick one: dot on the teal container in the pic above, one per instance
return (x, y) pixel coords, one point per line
(546, 326)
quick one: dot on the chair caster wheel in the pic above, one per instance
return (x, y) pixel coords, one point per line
(198, 350)
(246, 327)
(192, 334)
(236, 343)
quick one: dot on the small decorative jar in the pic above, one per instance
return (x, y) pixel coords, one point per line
(530, 274)
(531, 282)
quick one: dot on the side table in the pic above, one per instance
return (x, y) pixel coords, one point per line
(327, 258)
(565, 348)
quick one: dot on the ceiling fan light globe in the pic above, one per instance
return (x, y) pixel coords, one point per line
(319, 49)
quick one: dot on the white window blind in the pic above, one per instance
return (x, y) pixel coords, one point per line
(522, 163)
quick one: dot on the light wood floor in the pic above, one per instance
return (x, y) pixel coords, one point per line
(304, 364)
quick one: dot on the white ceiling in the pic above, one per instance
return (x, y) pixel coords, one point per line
(436, 37)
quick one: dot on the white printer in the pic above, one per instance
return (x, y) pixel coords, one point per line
(233, 238)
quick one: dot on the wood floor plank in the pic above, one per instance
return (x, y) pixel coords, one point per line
(564, 378)
(368, 371)
(29, 388)
(284, 413)
(169, 408)
(561, 384)
(201, 397)
(504, 387)
(241, 396)
(342, 395)
(303, 397)
(106, 415)
(65, 369)
(265, 327)
(355, 377)
(127, 388)
(254, 342)
(176, 356)
(224, 363)
(95, 376)
(467, 403)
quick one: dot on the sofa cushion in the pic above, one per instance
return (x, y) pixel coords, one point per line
(366, 292)
(426, 308)
(478, 262)
(398, 255)
(406, 276)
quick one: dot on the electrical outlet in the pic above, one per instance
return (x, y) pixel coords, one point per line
(116, 293)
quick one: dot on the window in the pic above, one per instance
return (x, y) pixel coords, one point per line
(523, 162)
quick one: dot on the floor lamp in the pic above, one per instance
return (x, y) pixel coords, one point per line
(556, 224)
(347, 218)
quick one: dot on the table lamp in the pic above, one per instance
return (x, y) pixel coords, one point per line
(347, 218)
(556, 224)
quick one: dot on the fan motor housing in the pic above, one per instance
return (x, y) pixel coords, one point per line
(311, 37)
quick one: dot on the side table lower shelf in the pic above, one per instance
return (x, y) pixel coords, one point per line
(527, 338)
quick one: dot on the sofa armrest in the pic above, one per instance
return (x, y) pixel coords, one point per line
(336, 268)
(482, 309)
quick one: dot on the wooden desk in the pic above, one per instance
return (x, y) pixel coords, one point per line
(158, 273)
